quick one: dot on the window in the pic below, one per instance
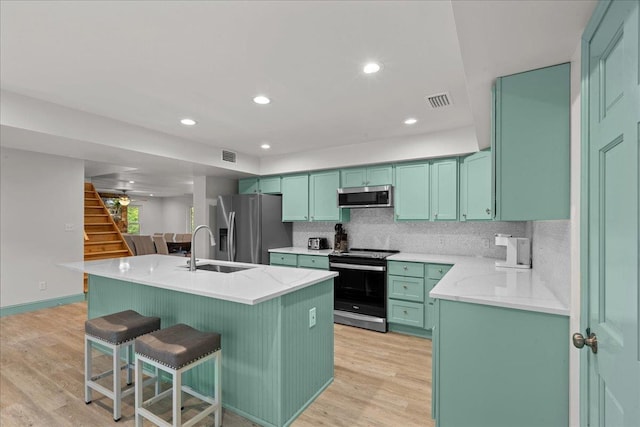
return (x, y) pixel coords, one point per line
(133, 219)
(191, 223)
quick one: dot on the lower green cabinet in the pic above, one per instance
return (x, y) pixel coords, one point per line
(287, 260)
(320, 262)
(499, 367)
(410, 310)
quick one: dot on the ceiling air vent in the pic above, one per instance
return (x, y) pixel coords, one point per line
(228, 156)
(439, 100)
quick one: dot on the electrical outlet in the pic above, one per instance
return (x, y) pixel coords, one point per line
(485, 243)
(42, 286)
(68, 227)
(312, 317)
(441, 241)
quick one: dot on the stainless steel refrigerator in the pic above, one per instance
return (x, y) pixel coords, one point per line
(248, 225)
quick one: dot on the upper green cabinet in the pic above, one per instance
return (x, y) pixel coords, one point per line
(266, 185)
(531, 144)
(248, 185)
(270, 185)
(411, 197)
(475, 187)
(444, 190)
(372, 175)
(295, 198)
(323, 201)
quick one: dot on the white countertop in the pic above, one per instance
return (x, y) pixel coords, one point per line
(253, 286)
(302, 251)
(477, 280)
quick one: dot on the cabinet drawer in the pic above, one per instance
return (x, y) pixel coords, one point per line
(401, 268)
(313, 261)
(436, 271)
(276, 258)
(406, 288)
(406, 313)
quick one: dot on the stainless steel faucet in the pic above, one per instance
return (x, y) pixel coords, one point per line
(192, 261)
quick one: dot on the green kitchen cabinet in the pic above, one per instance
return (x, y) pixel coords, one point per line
(248, 186)
(475, 187)
(476, 345)
(409, 307)
(530, 144)
(370, 176)
(295, 198)
(283, 259)
(411, 197)
(323, 200)
(266, 185)
(444, 190)
(270, 185)
(319, 262)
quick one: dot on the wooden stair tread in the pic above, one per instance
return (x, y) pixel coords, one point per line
(119, 251)
(91, 233)
(104, 242)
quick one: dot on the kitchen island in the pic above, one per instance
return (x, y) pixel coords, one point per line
(276, 359)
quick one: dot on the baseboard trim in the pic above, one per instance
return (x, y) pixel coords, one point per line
(39, 305)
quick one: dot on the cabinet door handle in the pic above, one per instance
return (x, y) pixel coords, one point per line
(313, 260)
(435, 214)
(405, 268)
(405, 311)
(464, 216)
(404, 286)
(488, 211)
(440, 271)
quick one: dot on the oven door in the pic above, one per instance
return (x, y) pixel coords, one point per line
(360, 288)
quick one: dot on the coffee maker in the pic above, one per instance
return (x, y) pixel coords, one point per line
(340, 243)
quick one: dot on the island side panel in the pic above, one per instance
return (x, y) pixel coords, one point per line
(308, 352)
(254, 375)
(526, 351)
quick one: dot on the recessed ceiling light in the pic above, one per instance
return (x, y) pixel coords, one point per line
(151, 195)
(265, 146)
(188, 122)
(132, 182)
(261, 99)
(371, 68)
(410, 121)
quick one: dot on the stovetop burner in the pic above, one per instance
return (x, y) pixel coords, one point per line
(366, 253)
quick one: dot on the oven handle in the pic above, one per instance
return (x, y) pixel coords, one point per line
(358, 266)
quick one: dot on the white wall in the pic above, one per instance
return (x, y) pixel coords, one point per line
(175, 214)
(438, 144)
(39, 195)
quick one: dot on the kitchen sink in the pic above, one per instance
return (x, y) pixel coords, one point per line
(220, 268)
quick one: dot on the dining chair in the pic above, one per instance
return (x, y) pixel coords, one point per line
(168, 237)
(161, 245)
(144, 244)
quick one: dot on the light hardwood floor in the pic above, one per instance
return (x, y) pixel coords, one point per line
(380, 379)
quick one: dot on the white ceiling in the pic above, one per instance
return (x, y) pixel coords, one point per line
(150, 63)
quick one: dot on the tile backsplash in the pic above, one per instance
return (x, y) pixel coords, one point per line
(376, 228)
(551, 254)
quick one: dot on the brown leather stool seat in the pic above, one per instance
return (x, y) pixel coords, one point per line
(117, 332)
(176, 350)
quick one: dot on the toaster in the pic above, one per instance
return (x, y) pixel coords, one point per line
(317, 243)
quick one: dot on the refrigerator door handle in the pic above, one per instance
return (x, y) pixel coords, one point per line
(232, 226)
(230, 242)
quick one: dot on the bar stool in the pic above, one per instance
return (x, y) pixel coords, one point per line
(176, 350)
(116, 332)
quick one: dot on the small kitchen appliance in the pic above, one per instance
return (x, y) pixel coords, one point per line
(518, 251)
(340, 243)
(317, 243)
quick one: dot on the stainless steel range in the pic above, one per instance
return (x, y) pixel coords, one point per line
(360, 295)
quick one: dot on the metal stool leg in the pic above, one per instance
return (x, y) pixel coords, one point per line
(139, 390)
(217, 388)
(177, 399)
(117, 390)
(87, 370)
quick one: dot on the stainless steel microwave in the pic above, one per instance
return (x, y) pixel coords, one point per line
(380, 196)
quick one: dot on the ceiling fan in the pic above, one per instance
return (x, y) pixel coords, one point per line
(124, 199)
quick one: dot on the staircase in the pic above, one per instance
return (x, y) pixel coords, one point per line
(102, 239)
